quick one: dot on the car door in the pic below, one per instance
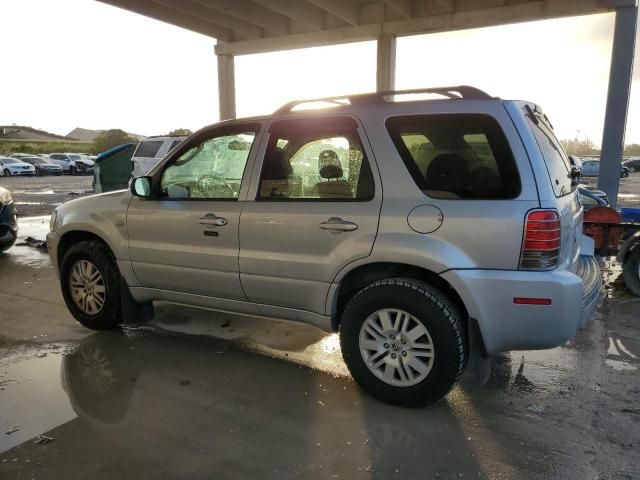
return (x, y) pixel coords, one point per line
(315, 204)
(185, 237)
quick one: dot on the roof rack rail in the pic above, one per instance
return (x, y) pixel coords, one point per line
(454, 93)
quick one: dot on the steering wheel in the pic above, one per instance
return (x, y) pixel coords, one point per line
(208, 183)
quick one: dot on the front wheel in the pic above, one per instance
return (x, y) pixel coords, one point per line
(7, 172)
(631, 271)
(90, 279)
(403, 342)
(73, 171)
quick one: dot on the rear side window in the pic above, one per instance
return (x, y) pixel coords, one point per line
(555, 158)
(148, 149)
(457, 156)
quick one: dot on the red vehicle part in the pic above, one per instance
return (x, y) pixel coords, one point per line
(603, 225)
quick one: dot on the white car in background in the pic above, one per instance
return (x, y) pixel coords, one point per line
(10, 167)
(150, 151)
(73, 163)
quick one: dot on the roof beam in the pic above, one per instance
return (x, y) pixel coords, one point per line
(193, 7)
(347, 10)
(403, 7)
(174, 17)
(248, 11)
(485, 17)
(302, 12)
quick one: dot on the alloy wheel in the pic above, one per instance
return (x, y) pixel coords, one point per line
(87, 287)
(396, 347)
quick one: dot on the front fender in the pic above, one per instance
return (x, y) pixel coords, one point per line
(104, 216)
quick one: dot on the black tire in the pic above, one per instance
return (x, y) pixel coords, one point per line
(631, 271)
(73, 171)
(434, 311)
(7, 172)
(110, 316)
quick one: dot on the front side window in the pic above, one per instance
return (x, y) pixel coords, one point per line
(458, 156)
(212, 169)
(314, 160)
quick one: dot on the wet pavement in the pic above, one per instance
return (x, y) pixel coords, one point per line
(40, 195)
(197, 394)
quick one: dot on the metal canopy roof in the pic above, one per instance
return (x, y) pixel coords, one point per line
(252, 26)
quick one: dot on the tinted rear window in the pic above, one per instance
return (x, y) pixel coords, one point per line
(456, 156)
(148, 149)
(555, 158)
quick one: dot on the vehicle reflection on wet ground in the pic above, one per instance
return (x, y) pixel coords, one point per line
(198, 394)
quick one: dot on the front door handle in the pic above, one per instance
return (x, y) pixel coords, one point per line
(337, 225)
(211, 219)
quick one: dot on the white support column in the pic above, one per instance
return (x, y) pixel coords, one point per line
(386, 63)
(226, 87)
(615, 124)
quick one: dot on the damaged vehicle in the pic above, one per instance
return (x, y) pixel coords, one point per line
(424, 231)
(8, 220)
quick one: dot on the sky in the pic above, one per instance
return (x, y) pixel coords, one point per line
(81, 63)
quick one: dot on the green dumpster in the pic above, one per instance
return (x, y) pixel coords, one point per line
(113, 168)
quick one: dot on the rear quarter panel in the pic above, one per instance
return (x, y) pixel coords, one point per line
(474, 233)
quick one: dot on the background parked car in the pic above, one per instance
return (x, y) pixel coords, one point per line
(10, 166)
(43, 166)
(73, 163)
(591, 168)
(151, 151)
(84, 164)
(8, 220)
(66, 163)
(633, 164)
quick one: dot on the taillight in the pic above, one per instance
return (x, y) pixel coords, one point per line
(541, 241)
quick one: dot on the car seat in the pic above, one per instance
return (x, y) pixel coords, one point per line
(330, 168)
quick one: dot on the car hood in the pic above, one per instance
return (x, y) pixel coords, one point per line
(89, 163)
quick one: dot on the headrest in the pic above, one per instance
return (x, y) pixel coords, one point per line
(447, 172)
(329, 165)
(277, 166)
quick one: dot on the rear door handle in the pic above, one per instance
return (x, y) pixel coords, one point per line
(337, 225)
(211, 219)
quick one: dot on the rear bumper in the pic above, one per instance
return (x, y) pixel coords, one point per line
(489, 298)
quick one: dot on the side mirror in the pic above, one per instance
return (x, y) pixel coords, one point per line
(141, 187)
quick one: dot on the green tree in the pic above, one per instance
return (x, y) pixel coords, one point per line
(183, 132)
(111, 138)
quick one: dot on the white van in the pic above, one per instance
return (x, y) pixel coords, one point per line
(150, 151)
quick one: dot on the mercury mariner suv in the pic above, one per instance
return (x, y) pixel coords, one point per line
(422, 225)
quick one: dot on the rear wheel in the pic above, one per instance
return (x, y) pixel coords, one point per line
(631, 271)
(90, 285)
(7, 172)
(403, 342)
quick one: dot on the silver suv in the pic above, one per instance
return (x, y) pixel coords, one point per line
(422, 230)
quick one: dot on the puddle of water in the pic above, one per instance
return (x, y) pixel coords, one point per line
(35, 192)
(31, 397)
(36, 227)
